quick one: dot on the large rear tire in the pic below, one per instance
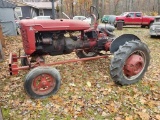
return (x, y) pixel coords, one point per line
(130, 63)
(42, 82)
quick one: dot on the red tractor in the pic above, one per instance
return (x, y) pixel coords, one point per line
(47, 37)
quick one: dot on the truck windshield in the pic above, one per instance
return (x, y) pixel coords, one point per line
(157, 19)
(124, 14)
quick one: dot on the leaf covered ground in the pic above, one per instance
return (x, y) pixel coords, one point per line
(87, 92)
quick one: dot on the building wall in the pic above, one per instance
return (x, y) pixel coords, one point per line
(26, 12)
(47, 12)
(7, 21)
(30, 12)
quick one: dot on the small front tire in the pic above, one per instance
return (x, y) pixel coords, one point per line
(42, 82)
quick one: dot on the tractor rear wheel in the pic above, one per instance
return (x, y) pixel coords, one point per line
(42, 82)
(130, 63)
(85, 54)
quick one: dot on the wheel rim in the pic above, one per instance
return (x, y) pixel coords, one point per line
(134, 65)
(43, 84)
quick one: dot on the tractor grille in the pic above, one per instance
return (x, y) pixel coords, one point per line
(25, 39)
(157, 29)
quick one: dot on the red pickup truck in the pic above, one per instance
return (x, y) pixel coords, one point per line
(135, 18)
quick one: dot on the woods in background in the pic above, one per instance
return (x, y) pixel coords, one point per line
(116, 7)
(105, 7)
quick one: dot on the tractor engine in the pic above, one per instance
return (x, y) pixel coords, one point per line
(55, 43)
(41, 38)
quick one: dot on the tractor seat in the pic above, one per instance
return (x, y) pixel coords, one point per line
(108, 29)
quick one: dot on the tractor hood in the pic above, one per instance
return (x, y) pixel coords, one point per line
(54, 25)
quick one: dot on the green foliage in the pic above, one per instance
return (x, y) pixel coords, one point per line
(6, 113)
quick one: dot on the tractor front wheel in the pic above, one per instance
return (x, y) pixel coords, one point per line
(42, 82)
(85, 54)
(130, 63)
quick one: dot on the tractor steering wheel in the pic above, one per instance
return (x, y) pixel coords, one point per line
(94, 13)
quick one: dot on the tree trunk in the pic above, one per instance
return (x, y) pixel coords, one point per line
(103, 8)
(158, 7)
(95, 3)
(61, 9)
(72, 7)
(2, 40)
(2, 43)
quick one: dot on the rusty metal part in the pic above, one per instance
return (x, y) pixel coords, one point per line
(43, 84)
(13, 67)
(107, 45)
(133, 65)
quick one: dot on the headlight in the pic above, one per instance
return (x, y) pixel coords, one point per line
(152, 28)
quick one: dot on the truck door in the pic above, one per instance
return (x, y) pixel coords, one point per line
(138, 18)
(129, 20)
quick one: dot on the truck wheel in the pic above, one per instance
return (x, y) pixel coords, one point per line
(143, 26)
(130, 63)
(152, 36)
(42, 82)
(84, 54)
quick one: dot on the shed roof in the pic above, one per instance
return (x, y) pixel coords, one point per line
(41, 5)
(6, 4)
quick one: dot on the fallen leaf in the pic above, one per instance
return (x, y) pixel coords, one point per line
(104, 114)
(151, 104)
(39, 106)
(112, 107)
(118, 118)
(158, 117)
(144, 116)
(72, 84)
(129, 118)
(89, 84)
(6, 88)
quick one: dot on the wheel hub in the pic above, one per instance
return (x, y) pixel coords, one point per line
(134, 64)
(43, 84)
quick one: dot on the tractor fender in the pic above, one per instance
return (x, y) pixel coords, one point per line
(119, 41)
